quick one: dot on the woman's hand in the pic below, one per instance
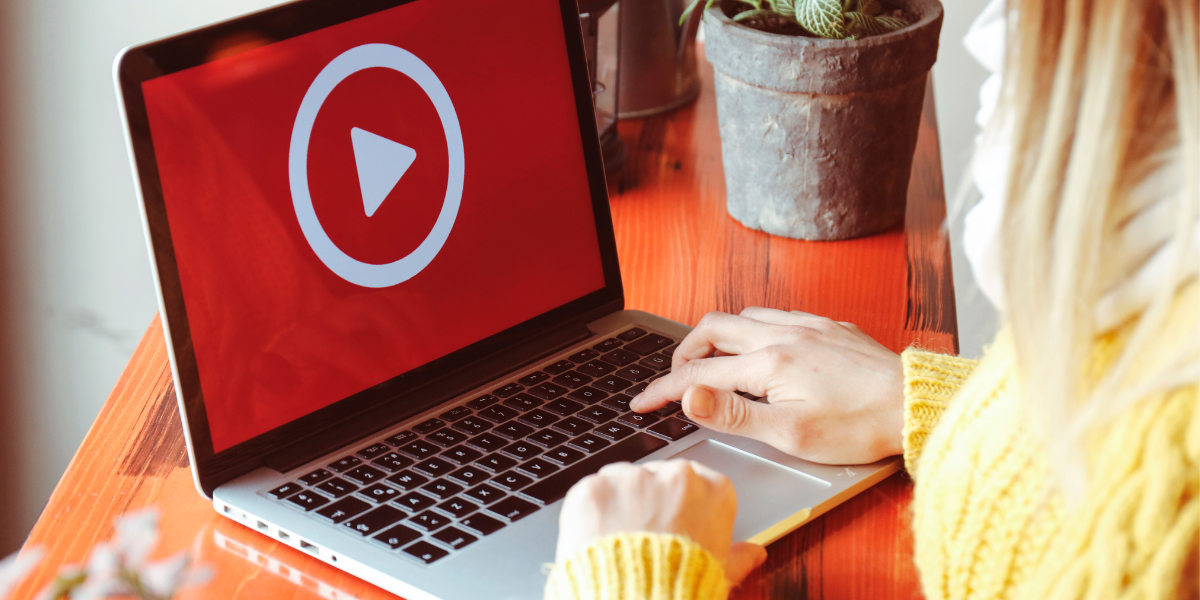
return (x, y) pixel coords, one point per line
(678, 497)
(834, 395)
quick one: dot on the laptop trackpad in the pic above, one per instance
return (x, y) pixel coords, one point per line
(767, 492)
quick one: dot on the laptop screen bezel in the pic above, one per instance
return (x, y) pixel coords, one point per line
(141, 63)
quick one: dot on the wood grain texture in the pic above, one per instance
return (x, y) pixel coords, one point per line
(681, 256)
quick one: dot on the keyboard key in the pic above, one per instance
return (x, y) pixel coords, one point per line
(614, 431)
(597, 414)
(401, 438)
(547, 438)
(375, 521)
(611, 384)
(497, 414)
(429, 521)
(636, 373)
(284, 491)
(554, 487)
(482, 402)
(496, 463)
(379, 493)
(446, 437)
(573, 426)
(343, 509)
(548, 391)
(469, 475)
(620, 358)
(407, 480)
(588, 395)
(472, 425)
(523, 402)
(596, 368)
(606, 345)
(619, 402)
(583, 356)
(484, 494)
(434, 467)
(511, 481)
(454, 537)
(673, 429)
(564, 455)
(631, 334)
(638, 421)
(670, 350)
(657, 362)
(429, 426)
(668, 410)
(563, 407)
(559, 367)
(537, 418)
(537, 468)
(481, 524)
(420, 449)
(457, 507)
(533, 378)
(637, 388)
(397, 536)
(392, 462)
(425, 552)
(364, 475)
(415, 501)
(316, 477)
(373, 451)
(488, 442)
(461, 455)
(513, 430)
(522, 450)
(572, 380)
(308, 500)
(649, 344)
(590, 443)
(337, 487)
(512, 509)
(345, 464)
(508, 390)
(455, 414)
(441, 489)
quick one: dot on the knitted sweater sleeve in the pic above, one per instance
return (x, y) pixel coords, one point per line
(639, 566)
(930, 381)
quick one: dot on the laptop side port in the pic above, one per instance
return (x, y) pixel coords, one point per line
(308, 547)
(262, 526)
(283, 536)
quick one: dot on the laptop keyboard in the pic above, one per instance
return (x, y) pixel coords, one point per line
(443, 484)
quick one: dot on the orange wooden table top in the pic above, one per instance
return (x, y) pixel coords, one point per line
(681, 256)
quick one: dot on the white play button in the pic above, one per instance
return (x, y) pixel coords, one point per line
(381, 163)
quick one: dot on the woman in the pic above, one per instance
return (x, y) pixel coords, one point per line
(1066, 463)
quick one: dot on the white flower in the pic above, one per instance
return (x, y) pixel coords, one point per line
(16, 566)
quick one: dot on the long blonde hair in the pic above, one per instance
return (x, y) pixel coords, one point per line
(1092, 89)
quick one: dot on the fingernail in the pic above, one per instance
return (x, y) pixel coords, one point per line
(701, 402)
(636, 402)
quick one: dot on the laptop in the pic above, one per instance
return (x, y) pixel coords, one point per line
(391, 295)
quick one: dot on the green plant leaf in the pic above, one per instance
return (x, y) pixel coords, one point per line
(750, 14)
(691, 7)
(860, 25)
(787, 8)
(822, 17)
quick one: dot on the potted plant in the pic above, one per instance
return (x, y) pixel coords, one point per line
(819, 103)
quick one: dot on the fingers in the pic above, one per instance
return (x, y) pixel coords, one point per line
(720, 332)
(801, 319)
(744, 558)
(727, 412)
(723, 372)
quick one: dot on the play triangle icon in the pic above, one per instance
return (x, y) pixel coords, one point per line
(381, 163)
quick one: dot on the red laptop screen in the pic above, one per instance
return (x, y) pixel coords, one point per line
(355, 202)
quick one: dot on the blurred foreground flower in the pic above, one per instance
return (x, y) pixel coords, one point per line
(118, 568)
(14, 568)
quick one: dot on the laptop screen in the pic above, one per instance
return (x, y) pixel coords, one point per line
(355, 202)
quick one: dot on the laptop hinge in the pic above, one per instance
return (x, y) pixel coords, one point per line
(412, 402)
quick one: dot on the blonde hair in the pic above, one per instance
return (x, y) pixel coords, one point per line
(1093, 88)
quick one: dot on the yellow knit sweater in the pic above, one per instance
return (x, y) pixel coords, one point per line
(984, 524)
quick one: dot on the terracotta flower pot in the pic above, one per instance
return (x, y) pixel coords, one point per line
(817, 135)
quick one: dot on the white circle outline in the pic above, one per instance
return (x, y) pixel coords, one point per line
(347, 63)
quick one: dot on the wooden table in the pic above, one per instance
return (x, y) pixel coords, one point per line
(681, 256)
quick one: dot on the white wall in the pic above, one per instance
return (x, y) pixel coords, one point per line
(80, 290)
(77, 274)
